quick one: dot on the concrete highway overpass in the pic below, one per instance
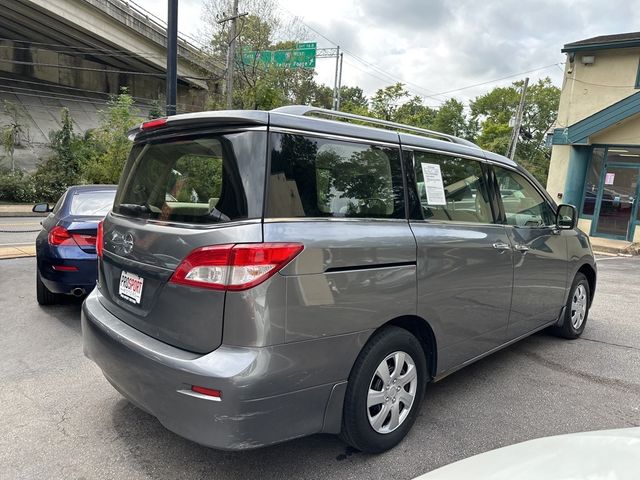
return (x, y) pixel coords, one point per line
(77, 53)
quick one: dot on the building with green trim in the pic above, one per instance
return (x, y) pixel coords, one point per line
(595, 161)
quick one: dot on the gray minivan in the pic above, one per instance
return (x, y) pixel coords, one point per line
(269, 275)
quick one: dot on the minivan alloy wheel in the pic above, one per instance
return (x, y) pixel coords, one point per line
(578, 306)
(392, 392)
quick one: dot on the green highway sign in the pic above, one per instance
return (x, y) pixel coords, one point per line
(304, 56)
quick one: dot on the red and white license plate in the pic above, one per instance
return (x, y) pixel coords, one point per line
(131, 287)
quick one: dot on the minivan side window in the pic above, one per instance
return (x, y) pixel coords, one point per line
(319, 177)
(523, 205)
(452, 188)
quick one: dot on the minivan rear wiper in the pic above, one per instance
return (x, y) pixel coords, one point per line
(135, 209)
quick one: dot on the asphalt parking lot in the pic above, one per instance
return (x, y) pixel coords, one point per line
(61, 419)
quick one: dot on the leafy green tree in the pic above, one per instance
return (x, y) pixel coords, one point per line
(64, 166)
(450, 118)
(109, 143)
(155, 110)
(386, 101)
(14, 132)
(352, 100)
(414, 112)
(493, 110)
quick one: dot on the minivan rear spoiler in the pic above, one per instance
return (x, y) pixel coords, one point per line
(229, 117)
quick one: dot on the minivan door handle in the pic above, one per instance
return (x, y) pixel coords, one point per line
(501, 246)
(521, 248)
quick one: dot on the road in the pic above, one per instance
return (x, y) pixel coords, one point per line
(19, 230)
(61, 419)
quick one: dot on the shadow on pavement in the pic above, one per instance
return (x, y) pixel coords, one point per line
(67, 312)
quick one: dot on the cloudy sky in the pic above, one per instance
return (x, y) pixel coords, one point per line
(439, 48)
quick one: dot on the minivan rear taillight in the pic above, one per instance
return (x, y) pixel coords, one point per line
(234, 267)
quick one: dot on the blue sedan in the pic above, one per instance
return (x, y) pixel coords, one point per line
(66, 247)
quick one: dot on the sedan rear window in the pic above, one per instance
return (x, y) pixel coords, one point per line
(209, 178)
(96, 203)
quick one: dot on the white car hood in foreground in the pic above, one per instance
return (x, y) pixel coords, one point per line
(602, 455)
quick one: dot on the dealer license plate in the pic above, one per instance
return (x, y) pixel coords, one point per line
(131, 287)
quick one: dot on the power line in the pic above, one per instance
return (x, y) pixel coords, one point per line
(78, 47)
(95, 102)
(143, 55)
(410, 90)
(99, 70)
(44, 84)
(362, 60)
(497, 79)
(61, 96)
(430, 94)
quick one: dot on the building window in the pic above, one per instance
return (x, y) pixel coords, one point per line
(592, 181)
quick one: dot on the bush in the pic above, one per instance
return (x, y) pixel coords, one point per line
(17, 186)
(62, 168)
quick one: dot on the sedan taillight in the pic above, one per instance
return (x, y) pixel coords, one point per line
(61, 237)
(234, 267)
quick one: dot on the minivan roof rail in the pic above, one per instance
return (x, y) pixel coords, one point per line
(305, 110)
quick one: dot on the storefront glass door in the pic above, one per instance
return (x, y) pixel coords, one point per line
(617, 206)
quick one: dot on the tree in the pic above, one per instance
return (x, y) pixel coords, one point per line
(352, 100)
(257, 85)
(109, 143)
(63, 167)
(15, 132)
(386, 101)
(451, 119)
(414, 112)
(493, 111)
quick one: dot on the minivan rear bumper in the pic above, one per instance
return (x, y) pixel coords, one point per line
(261, 402)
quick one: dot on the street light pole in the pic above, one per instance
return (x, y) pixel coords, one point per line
(172, 58)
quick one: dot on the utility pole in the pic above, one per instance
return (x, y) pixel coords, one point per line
(172, 58)
(231, 51)
(339, 84)
(335, 80)
(515, 134)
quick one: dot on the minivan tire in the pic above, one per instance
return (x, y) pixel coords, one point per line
(581, 294)
(43, 294)
(357, 429)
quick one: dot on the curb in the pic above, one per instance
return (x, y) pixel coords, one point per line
(22, 214)
(21, 251)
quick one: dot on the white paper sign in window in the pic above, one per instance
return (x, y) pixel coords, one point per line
(433, 184)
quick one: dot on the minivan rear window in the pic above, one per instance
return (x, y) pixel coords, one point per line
(320, 177)
(206, 178)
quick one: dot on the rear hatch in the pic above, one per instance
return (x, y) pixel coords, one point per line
(181, 189)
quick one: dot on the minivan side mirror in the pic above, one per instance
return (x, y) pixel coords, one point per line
(41, 208)
(567, 217)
